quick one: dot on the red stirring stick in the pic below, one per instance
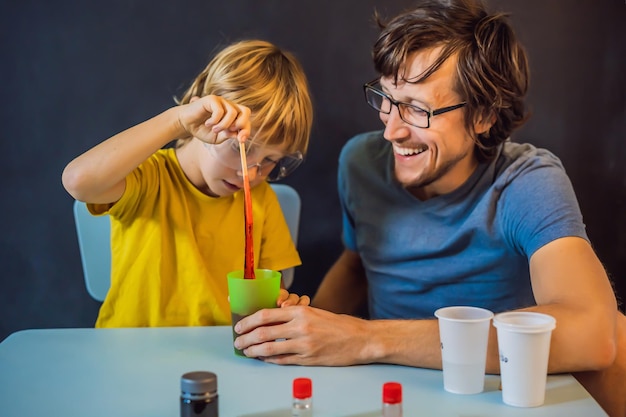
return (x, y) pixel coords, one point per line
(248, 267)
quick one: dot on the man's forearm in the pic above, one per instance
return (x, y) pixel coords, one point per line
(404, 342)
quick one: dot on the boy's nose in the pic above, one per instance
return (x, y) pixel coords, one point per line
(253, 171)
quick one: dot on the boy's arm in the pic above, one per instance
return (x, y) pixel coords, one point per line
(98, 175)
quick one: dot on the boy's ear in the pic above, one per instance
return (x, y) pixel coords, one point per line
(484, 122)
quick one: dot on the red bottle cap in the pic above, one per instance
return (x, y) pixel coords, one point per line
(302, 388)
(392, 393)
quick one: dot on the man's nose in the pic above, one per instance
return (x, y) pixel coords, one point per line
(395, 127)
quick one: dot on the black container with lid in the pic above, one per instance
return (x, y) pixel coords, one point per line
(198, 396)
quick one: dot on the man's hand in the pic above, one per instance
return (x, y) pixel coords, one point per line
(302, 335)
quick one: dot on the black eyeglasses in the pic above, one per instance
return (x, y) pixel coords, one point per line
(413, 115)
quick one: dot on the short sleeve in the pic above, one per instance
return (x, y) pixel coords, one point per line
(538, 204)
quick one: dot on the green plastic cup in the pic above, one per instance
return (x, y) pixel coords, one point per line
(247, 296)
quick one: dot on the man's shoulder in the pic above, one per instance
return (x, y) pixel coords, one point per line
(526, 153)
(367, 136)
(524, 169)
(364, 143)
(519, 158)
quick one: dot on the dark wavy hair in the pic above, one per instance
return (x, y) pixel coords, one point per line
(492, 67)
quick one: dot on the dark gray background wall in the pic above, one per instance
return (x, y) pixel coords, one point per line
(73, 73)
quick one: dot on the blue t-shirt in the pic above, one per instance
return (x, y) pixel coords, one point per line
(468, 247)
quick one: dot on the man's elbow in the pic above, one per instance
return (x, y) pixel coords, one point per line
(602, 347)
(605, 354)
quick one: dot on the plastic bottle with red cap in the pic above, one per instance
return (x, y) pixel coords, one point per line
(392, 399)
(302, 398)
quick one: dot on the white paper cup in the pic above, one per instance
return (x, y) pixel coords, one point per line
(524, 346)
(463, 332)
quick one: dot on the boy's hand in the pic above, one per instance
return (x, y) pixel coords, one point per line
(214, 119)
(286, 299)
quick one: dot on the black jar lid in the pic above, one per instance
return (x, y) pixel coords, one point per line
(197, 382)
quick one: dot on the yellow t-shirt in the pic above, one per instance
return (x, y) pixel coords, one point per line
(172, 246)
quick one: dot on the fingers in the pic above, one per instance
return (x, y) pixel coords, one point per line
(214, 119)
(295, 300)
(305, 300)
(274, 334)
(243, 123)
(280, 352)
(259, 339)
(283, 295)
(285, 299)
(227, 119)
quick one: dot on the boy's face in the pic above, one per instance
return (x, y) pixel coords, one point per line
(220, 165)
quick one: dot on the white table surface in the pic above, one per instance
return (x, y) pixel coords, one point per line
(136, 372)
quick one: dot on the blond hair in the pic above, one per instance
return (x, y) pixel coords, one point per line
(270, 82)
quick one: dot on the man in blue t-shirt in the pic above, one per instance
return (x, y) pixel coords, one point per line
(440, 208)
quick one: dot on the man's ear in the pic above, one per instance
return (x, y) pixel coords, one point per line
(484, 122)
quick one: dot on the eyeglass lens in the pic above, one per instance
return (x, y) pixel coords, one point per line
(274, 169)
(382, 103)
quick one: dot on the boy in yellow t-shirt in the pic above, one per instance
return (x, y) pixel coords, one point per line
(177, 223)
